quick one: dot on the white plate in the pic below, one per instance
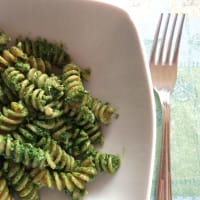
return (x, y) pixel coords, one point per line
(103, 37)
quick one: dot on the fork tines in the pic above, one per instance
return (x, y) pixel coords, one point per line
(171, 36)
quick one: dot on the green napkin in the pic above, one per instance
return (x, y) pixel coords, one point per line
(185, 134)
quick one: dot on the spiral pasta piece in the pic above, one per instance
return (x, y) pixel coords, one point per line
(107, 162)
(34, 97)
(41, 48)
(11, 117)
(21, 181)
(4, 190)
(32, 62)
(85, 119)
(3, 97)
(4, 40)
(51, 124)
(103, 111)
(73, 182)
(78, 143)
(32, 132)
(51, 85)
(55, 110)
(94, 132)
(19, 137)
(24, 153)
(59, 128)
(6, 95)
(61, 134)
(40, 64)
(23, 67)
(62, 160)
(81, 116)
(74, 90)
(104, 162)
(12, 56)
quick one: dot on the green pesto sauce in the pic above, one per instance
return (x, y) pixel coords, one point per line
(33, 153)
(54, 91)
(41, 132)
(13, 85)
(115, 161)
(22, 67)
(87, 114)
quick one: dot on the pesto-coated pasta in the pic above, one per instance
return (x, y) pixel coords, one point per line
(104, 162)
(31, 132)
(78, 143)
(12, 56)
(107, 162)
(20, 181)
(6, 95)
(73, 182)
(4, 40)
(61, 133)
(32, 96)
(74, 90)
(19, 137)
(49, 123)
(55, 110)
(94, 132)
(11, 117)
(103, 111)
(41, 48)
(50, 84)
(81, 116)
(40, 138)
(24, 153)
(4, 189)
(59, 128)
(40, 64)
(62, 160)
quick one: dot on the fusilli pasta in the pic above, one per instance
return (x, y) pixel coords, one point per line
(41, 48)
(12, 56)
(51, 85)
(4, 189)
(49, 123)
(4, 40)
(11, 117)
(74, 90)
(71, 182)
(20, 181)
(26, 91)
(40, 64)
(24, 153)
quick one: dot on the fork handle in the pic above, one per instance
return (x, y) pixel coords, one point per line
(164, 176)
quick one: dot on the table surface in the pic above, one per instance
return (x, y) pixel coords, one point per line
(185, 99)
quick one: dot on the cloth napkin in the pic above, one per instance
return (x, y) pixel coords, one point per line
(185, 135)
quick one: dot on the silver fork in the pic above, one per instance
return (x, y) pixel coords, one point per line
(164, 78)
